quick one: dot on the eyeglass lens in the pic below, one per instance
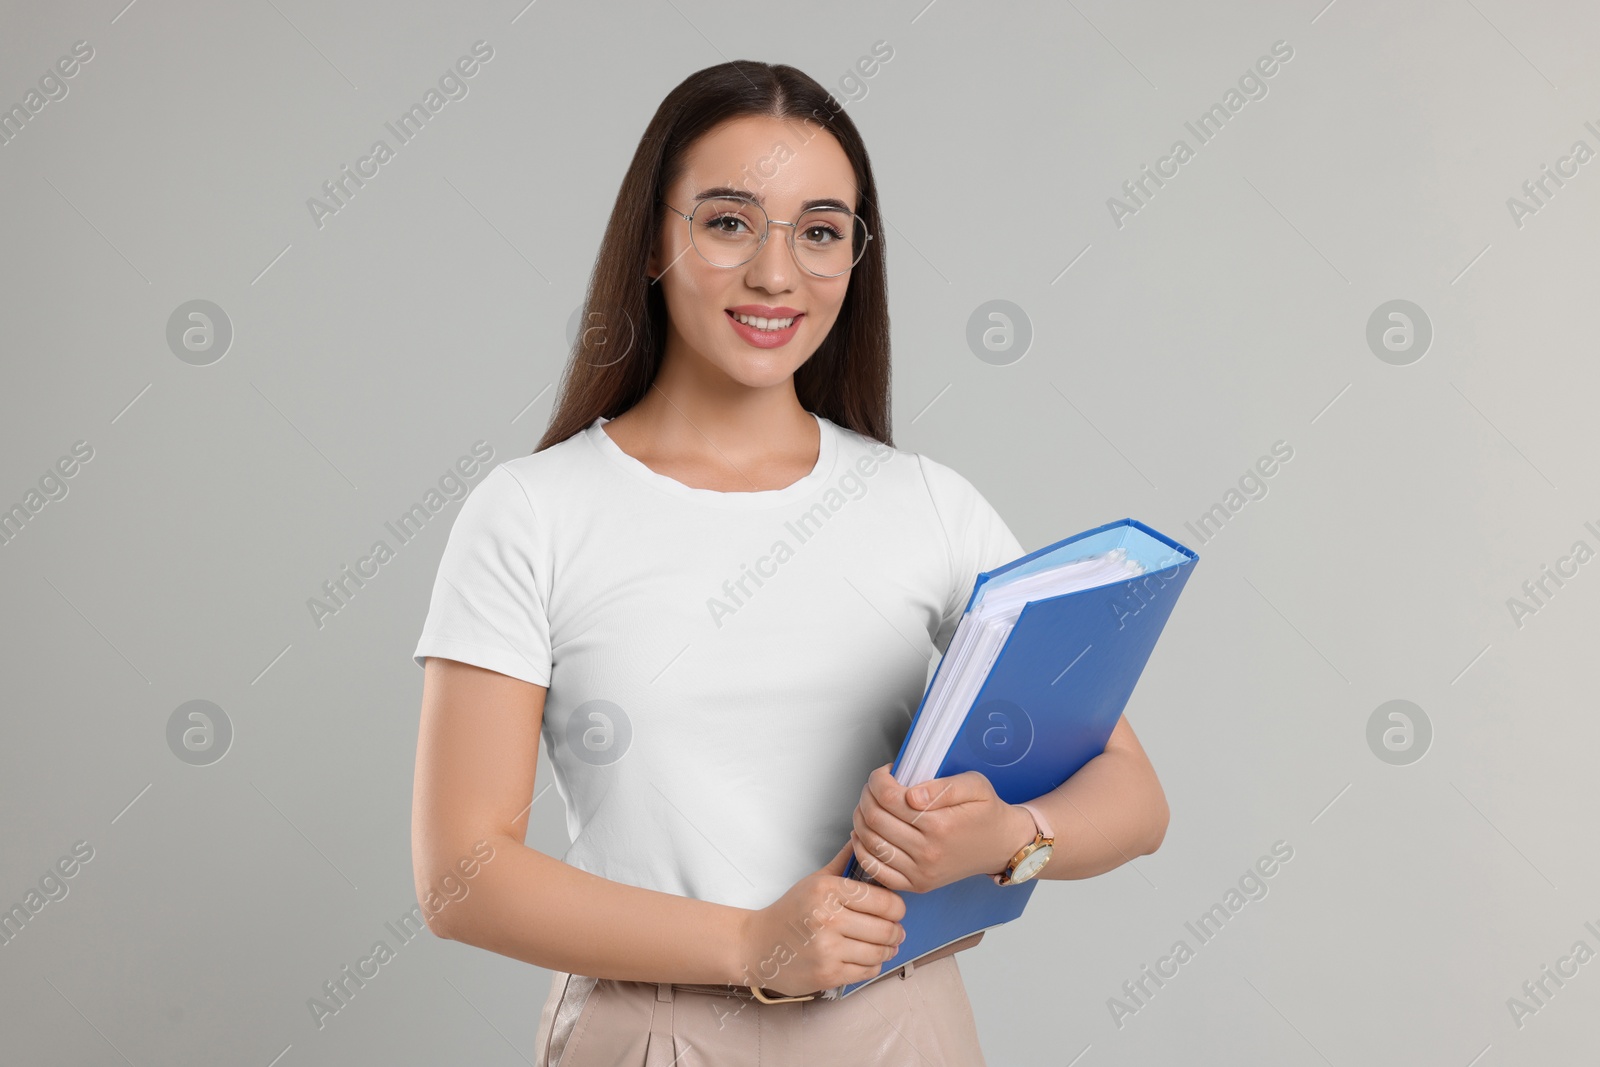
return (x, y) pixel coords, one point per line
(727, 232)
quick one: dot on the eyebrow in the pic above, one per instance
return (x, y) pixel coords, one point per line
(726, 190)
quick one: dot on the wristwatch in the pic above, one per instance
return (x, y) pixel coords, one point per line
(1030, 858)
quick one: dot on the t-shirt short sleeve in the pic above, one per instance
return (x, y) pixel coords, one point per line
(489, 596)
(978, 537)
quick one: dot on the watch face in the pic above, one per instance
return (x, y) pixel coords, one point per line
(1031, 863)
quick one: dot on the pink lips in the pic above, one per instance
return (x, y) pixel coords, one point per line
(766, 338)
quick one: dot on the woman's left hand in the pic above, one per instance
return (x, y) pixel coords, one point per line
(941, 831)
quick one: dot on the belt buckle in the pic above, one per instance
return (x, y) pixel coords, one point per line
(778, 1000)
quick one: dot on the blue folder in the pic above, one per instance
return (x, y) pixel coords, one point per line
(1048, 706)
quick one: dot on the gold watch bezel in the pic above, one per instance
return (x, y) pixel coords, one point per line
(1039, 841)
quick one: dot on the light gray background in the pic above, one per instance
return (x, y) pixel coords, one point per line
(1228, 314)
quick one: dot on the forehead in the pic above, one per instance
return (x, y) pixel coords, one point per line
(778, 162)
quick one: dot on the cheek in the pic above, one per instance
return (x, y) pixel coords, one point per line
(694, 302)
(831, 302)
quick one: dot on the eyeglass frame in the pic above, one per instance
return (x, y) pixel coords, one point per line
(689, 218)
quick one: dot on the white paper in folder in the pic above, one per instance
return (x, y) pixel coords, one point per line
(976, 645)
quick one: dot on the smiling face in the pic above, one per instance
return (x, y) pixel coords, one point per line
(784, 166)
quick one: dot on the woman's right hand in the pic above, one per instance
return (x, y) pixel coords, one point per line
(849, 929)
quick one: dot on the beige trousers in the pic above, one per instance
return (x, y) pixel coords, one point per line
(916, 1019)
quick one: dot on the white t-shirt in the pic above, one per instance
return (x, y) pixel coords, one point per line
(724, 669)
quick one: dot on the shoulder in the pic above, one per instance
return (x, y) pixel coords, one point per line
(857, 449)
(944, 482)
(962, 509)
(868, 456)
(518, 499)
(949, 492)
(927, 490)
(549, 475)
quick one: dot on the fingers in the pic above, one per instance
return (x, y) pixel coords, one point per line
(840, 858)
(869, 953)
(888, 794)
(947, 792)
(875, 900)
(882, 834)
(869, 935)
(885, 874)
(854, 973)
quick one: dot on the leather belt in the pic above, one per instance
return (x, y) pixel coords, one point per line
(745, 992)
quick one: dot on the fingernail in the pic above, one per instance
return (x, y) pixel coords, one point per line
(919, 795)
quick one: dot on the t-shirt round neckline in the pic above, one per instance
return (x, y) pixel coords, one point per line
(827, 451)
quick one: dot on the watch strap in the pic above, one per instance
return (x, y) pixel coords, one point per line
(1039, 820)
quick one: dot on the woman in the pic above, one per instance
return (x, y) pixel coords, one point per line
(715, 589)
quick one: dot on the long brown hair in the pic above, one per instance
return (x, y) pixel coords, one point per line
(845, 381)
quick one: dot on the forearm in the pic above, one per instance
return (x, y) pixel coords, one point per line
(1110, 811)
(535, 908)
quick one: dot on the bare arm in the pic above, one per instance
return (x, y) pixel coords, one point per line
(1110, 811)
(477, 754)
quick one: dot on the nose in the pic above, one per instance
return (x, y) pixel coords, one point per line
(774, 265)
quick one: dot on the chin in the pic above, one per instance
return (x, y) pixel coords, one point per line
(761, 377)
(758, 367)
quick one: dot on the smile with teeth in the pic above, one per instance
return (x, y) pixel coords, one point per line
(763, 324)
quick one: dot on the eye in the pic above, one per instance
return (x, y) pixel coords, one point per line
(821, 234)
(726, 225)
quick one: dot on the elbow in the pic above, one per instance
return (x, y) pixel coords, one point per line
(1157, 835)
(436, 923)
(1156, 824)
(447, 918)
(444, 890)
(435, 915)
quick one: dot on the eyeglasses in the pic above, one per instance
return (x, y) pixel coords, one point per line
(729, 231)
